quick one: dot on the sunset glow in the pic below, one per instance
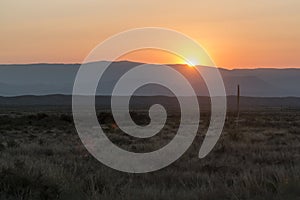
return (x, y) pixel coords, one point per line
(192, 62)
(159, 57)
(235, 34)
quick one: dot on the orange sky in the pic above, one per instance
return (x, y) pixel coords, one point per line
(237, 34)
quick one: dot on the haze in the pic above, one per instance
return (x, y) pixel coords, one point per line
(237, 34)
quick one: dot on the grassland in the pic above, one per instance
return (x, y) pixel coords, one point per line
(42, 157)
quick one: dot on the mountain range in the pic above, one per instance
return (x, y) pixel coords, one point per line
(47, 79)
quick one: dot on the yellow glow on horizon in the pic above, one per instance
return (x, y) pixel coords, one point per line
(62, 31)
(192, 62)
(155, 56)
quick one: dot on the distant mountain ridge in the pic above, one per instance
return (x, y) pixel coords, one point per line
(45, 79)
(246, 103)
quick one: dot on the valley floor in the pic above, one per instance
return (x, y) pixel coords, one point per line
(42, 157)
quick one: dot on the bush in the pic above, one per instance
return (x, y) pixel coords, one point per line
(66, 118)
(20, 184)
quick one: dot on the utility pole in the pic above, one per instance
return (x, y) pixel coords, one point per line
(238, 105)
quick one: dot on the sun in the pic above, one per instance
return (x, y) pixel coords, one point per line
(191, 63)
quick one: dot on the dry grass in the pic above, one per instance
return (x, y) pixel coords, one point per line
(41, 157)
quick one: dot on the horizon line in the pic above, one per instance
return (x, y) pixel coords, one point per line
(76, 63)
(167, 96)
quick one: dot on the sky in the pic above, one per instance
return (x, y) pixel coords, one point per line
(236, 34)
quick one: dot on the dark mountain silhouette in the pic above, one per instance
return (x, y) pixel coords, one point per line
(247, 103)
(45, 79)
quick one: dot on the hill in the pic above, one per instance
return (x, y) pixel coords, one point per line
(45, 79)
